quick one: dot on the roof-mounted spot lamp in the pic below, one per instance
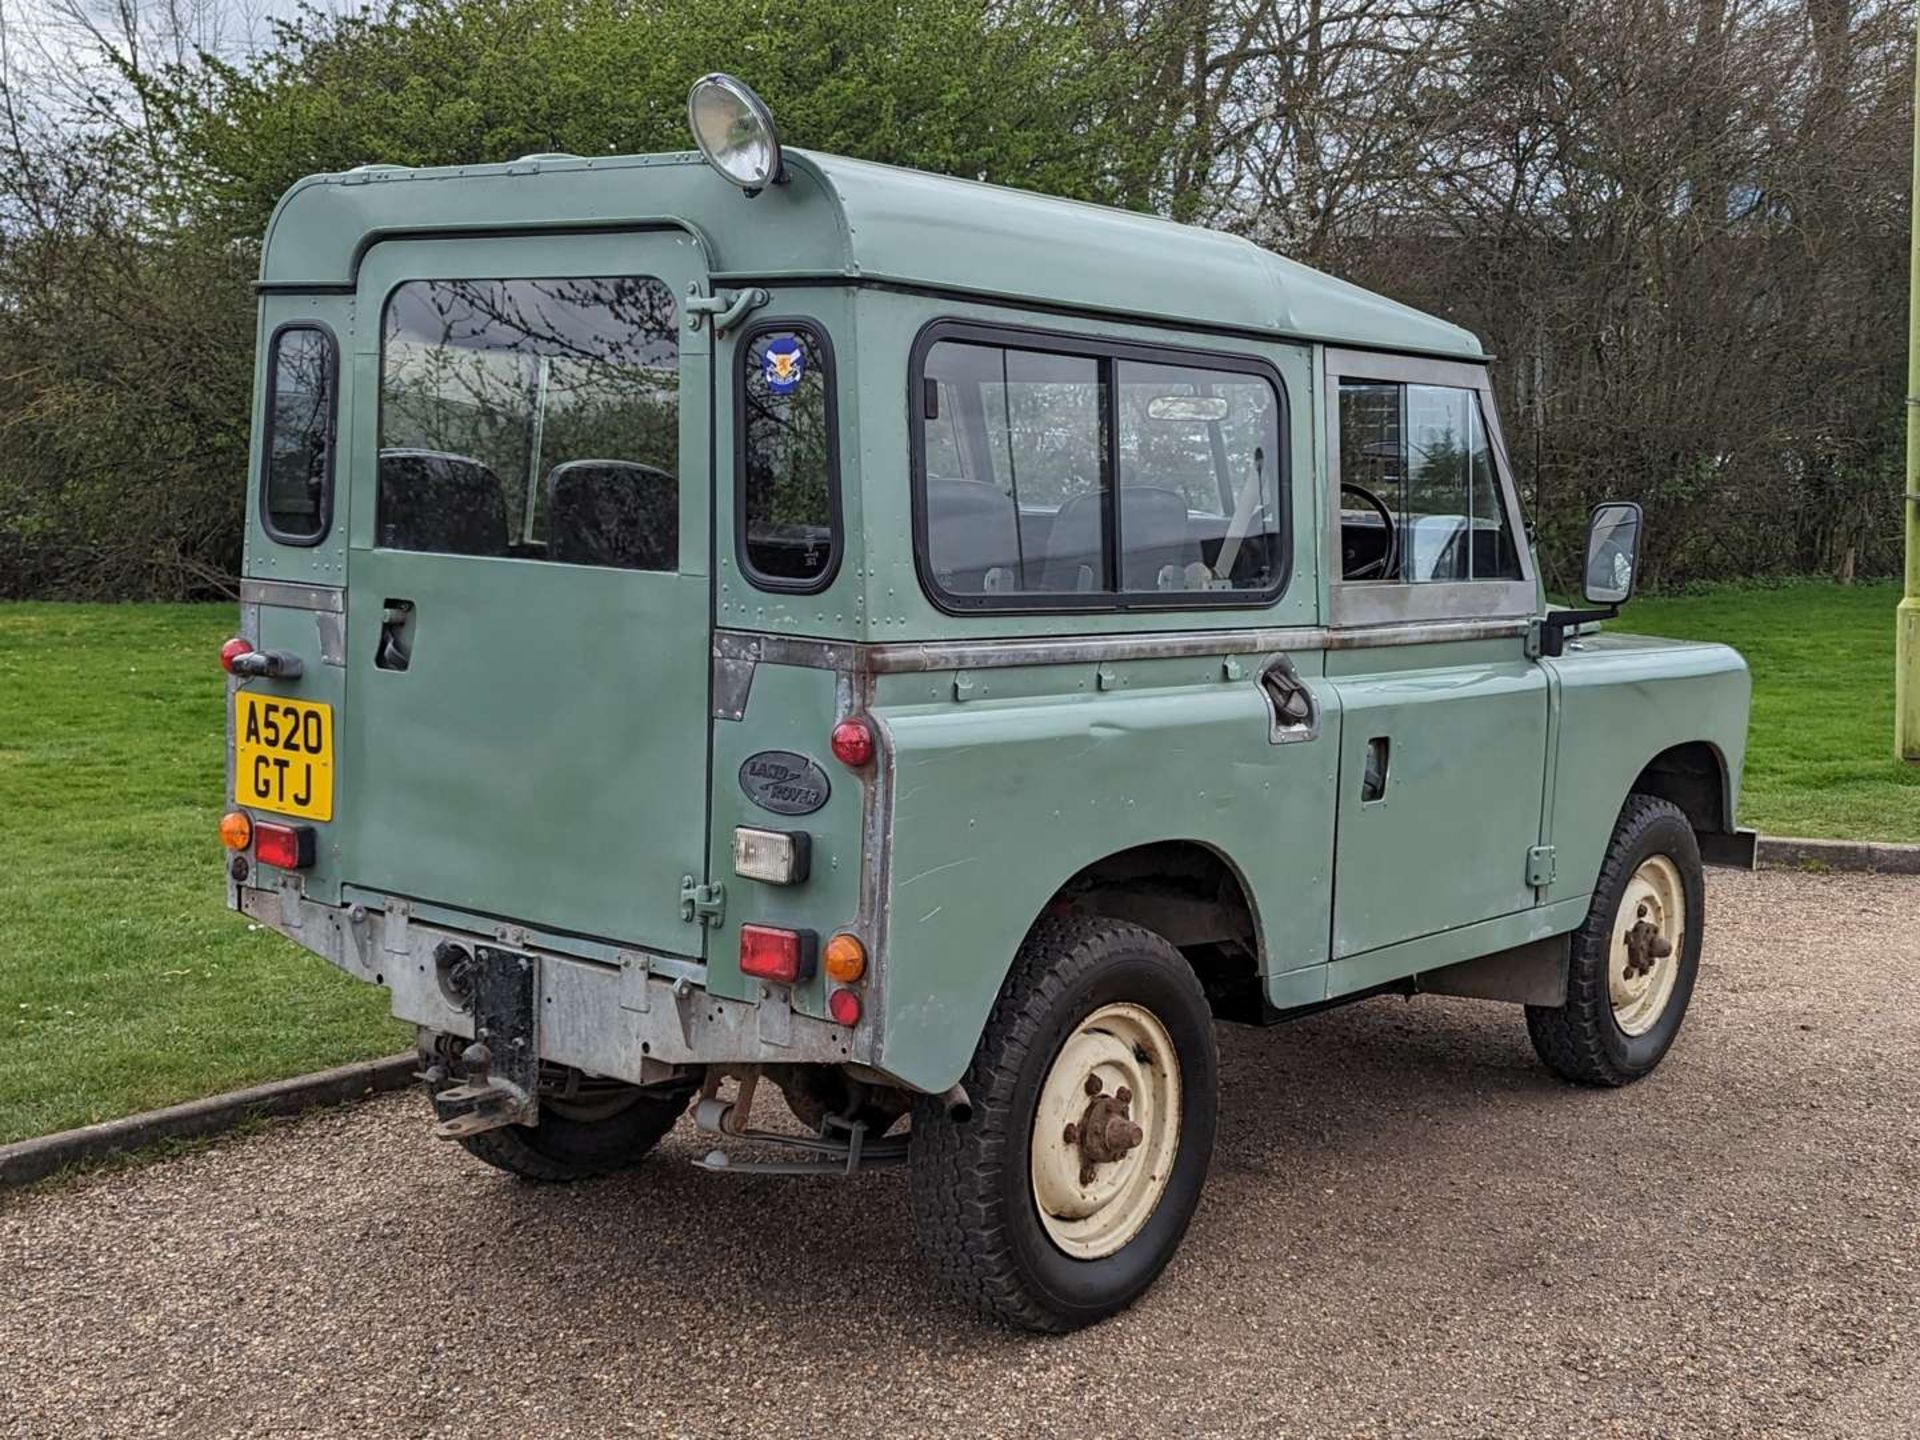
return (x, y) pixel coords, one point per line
(734, 130)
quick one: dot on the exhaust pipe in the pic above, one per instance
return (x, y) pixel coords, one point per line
(958, 1104)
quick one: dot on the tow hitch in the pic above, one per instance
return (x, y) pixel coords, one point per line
(500, 1070)
(841, 1144)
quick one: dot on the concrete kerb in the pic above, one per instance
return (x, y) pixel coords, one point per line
(1775, 852)
(26, 1161)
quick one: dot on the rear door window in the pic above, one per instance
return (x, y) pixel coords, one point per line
(789, 488)
(297, 467)
(532, 420)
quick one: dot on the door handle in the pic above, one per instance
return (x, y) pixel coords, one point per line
(395, 648)
(1373, 779)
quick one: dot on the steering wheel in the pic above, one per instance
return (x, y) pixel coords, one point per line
(1374, 569)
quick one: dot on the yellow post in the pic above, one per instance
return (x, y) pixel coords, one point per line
(1906, 661)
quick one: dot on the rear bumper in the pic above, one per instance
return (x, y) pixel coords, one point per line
(625, 1020)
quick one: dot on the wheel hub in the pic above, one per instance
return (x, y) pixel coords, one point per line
(1106, 1131)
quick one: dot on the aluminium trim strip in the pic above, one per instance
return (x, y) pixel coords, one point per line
(894, 658)
(292, 596)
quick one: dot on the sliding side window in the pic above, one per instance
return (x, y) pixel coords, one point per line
(297, 464)
(1058, 477)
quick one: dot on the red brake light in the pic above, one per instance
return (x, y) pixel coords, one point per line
(844, 1006)
(288, 846)
(232, 651)
(852, 743)
(785, 956)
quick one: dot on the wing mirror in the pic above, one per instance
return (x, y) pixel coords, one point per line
(1613, 552)
(1613, 556)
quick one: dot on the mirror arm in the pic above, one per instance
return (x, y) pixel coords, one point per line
(1556, 623)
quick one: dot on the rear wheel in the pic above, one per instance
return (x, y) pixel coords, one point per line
(1067, 1190)
(597, 1130)
(1633, 963)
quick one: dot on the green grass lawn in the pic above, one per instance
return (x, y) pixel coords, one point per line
(125, 982)
(1820, 751)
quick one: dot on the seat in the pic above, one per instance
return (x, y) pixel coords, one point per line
(613, 512)
(973, 536)
(1153, 521)
(449, 504)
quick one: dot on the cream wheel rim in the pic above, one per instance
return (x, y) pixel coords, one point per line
(1649, 932)
(1106, 1131)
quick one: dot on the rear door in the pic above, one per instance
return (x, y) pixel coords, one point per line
(528, 603)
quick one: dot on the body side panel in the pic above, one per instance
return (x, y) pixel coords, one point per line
(1623, 700)
(1002, 799)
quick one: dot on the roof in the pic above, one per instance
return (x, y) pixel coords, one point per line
(848, 218)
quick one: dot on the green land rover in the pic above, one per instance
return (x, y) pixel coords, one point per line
(754, 616)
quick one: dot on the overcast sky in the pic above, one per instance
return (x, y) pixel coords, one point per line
(42, 33)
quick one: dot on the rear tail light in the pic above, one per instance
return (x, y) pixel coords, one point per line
(852, 742)
(785, 956)
(232, 651)
(844, 1006)
(236, 830)
(288, 846)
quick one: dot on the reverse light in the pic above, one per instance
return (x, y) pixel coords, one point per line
(844, 1006)
(236, 830)
(232, 651)
(288, 846)
(777, 857)
(783, 956)
(734, 130)
(846, 958)
(852, 742)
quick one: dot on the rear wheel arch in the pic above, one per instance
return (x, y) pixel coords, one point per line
(1191, 894)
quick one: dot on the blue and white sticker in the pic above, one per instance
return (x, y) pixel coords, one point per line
(783, 363)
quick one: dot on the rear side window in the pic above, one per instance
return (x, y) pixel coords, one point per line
(1118, 476)
(532, 420)
(788, 496)
(297, 468)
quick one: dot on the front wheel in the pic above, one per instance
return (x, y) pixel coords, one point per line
(1633, 963)
(1094, 1088)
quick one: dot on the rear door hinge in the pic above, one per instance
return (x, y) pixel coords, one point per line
(726, 307)
(1540, 866)
(702, 904)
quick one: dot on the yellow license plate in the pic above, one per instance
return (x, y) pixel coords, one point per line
(283, 755)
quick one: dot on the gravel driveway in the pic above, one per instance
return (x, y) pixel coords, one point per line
(1410, 1230)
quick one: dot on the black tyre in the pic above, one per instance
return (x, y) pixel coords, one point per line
(1067, 1190)
(1635, 959)
(580, 1138)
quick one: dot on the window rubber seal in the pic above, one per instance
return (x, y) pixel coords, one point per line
(272, 531)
